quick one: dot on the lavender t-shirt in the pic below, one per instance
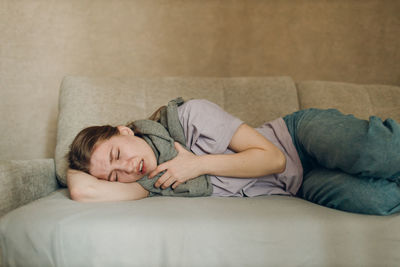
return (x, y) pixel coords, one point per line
(209, 130)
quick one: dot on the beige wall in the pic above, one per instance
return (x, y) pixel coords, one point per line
(43, 40)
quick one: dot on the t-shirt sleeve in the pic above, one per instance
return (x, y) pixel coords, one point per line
(208, 128)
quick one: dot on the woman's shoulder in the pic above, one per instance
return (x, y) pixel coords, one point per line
(199, 105)
(204, 113)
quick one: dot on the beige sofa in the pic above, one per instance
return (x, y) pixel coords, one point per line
(42, 226)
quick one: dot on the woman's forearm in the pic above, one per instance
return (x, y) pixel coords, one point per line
(255, 157)
(87, 188)
(249, 163)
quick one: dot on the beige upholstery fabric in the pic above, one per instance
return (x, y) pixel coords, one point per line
(42, 40)
(360, 100)
(277, 231)
(96, 101)
(22, 181)
(385, 100)
(262, 231)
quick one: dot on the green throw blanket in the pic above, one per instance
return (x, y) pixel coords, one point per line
(161, 135)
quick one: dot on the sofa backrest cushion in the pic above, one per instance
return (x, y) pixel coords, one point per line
(88, 101)
(361, 100)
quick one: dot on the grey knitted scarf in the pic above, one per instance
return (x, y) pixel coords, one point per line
(160, 135)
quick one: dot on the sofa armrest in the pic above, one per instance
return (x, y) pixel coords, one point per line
(22, 181)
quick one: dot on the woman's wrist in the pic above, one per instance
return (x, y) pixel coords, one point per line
(245, 164)
(204, 165)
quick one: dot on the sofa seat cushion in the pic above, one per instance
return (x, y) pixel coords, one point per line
(211, 231)
(360, 100)
(88, 101)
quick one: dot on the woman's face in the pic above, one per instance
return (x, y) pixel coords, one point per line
(123, 158)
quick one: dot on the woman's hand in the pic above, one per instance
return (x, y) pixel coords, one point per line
(255, 157)
(177, 170)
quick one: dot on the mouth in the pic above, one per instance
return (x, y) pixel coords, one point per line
(141, 166)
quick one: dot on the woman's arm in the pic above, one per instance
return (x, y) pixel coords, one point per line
(255, 157)
(84, 187)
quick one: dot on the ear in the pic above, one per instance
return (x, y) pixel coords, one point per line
(123, 130)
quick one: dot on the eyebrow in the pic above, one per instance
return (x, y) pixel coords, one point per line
(109, 176)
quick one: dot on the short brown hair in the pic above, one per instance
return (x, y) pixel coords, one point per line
(83, 145)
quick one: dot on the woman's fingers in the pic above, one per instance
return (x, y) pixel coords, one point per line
(162, 179)
(160, 168)
(168, 183)
(177, 171)
(165, 181)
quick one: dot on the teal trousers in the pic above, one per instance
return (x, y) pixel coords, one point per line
(349, 164)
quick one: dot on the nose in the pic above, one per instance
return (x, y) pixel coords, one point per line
(126, 165)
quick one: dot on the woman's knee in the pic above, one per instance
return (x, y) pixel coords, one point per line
(380, 150)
